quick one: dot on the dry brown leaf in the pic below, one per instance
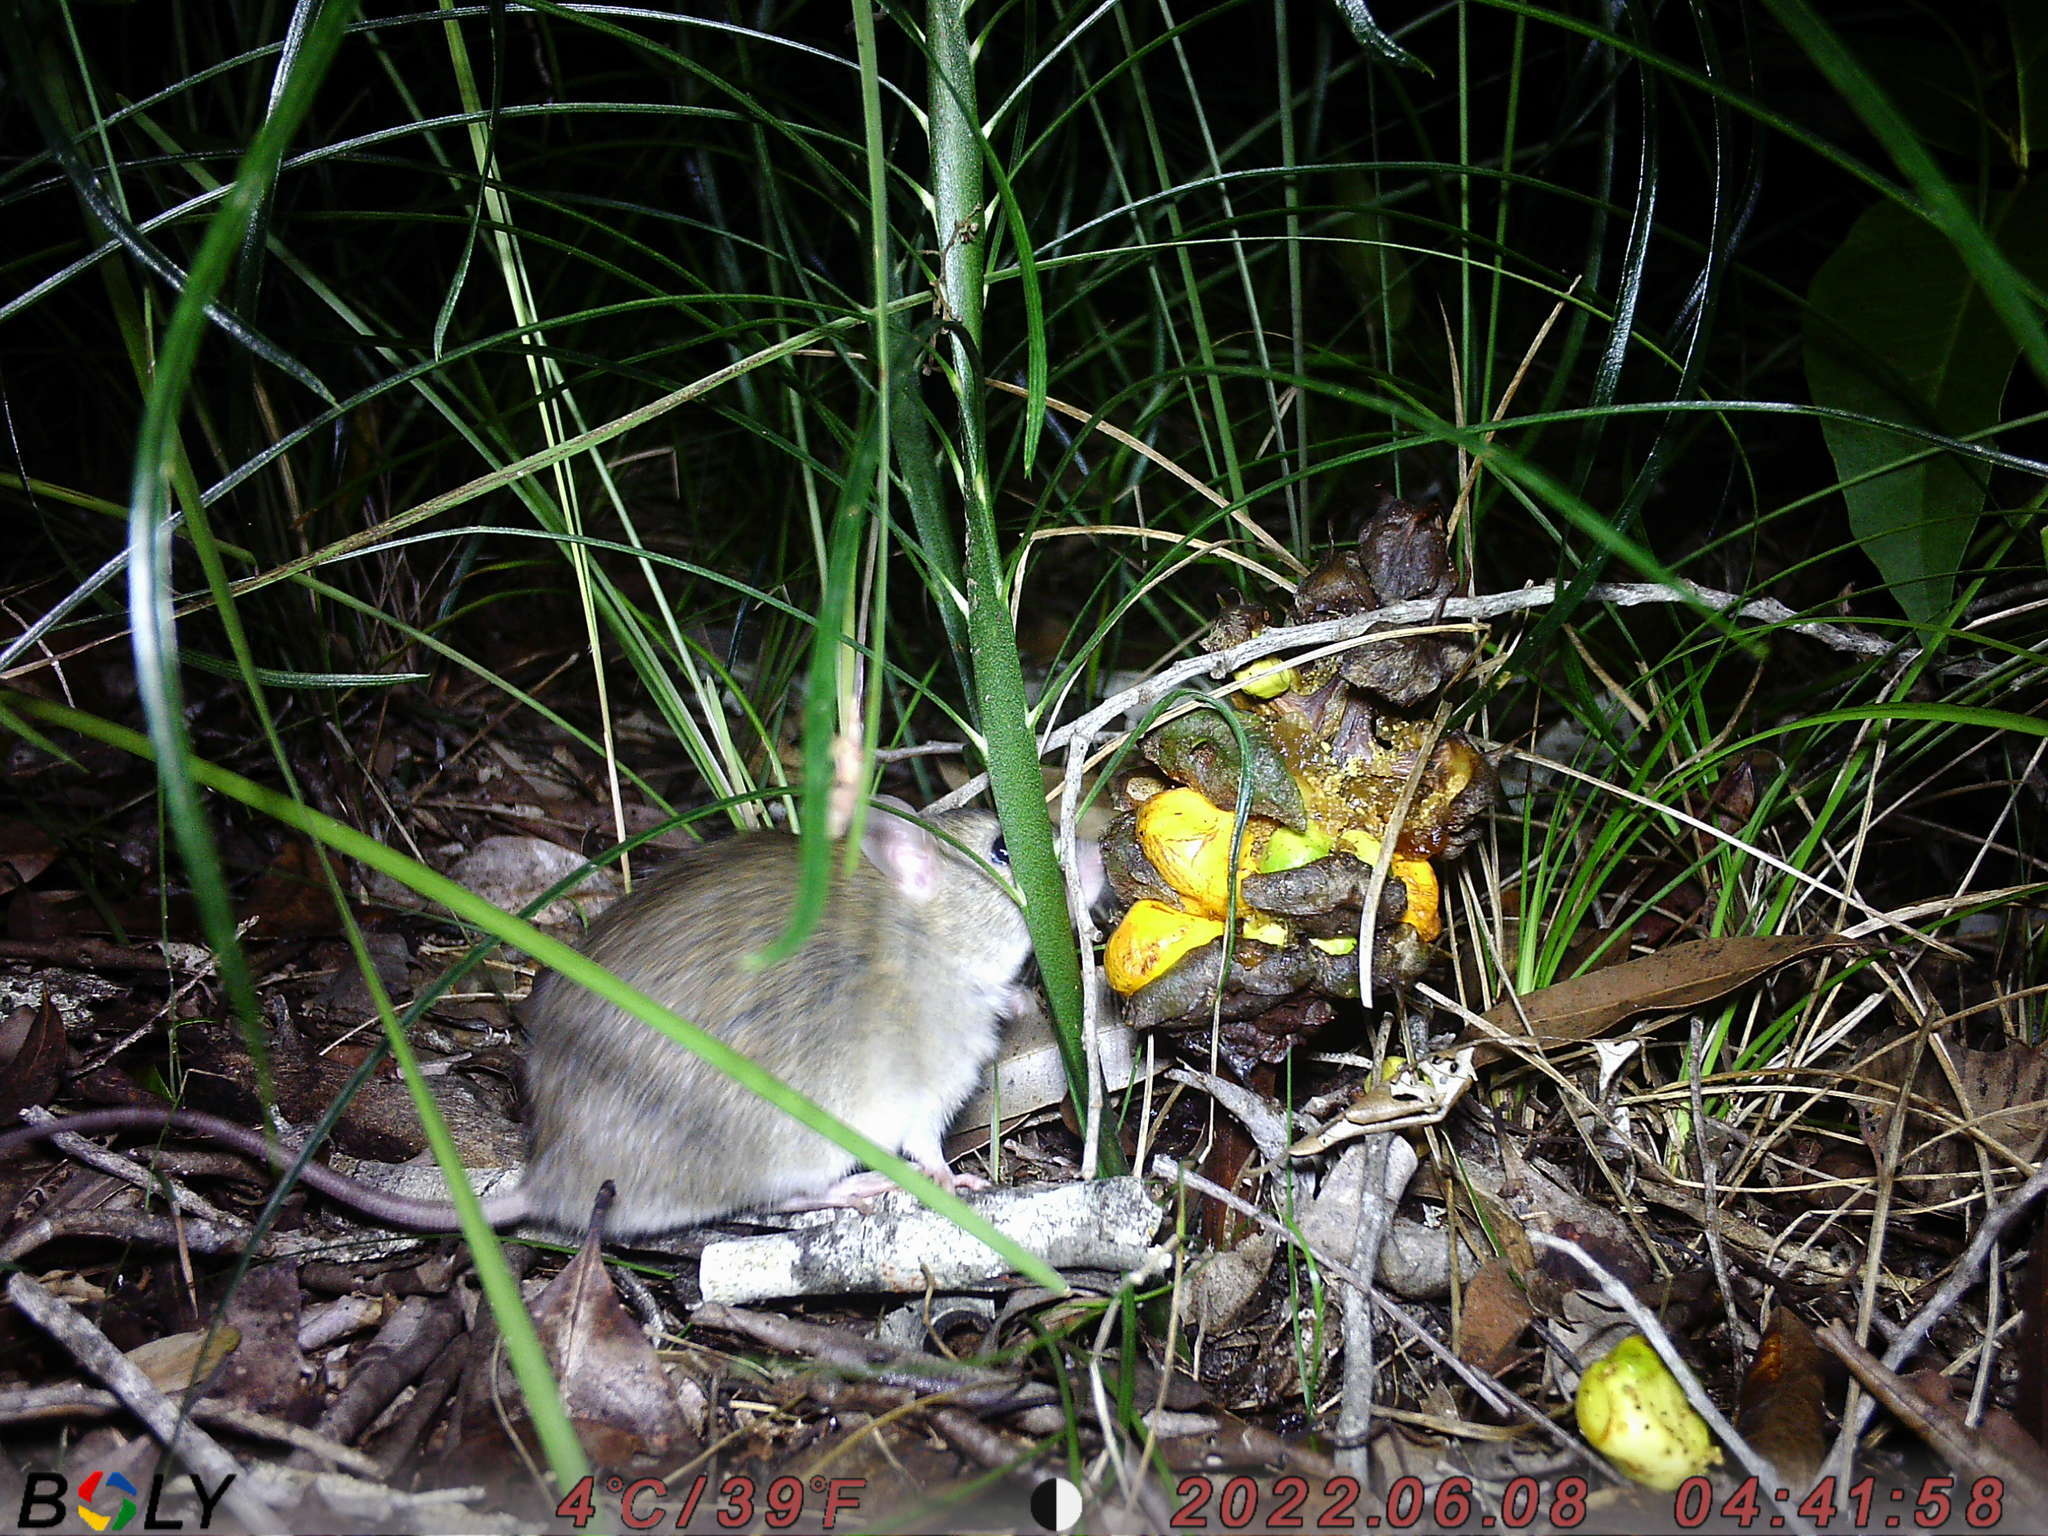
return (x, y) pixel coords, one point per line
(1670, 981)
(25, 852)
(1998, 1446)
(268, 1372)
(1496, 1311)
(613, 1386)
(379, 1122)
(31, 1057)
(2004, 1098)
(291, 898)
(1783, 1411)
(173, 1362)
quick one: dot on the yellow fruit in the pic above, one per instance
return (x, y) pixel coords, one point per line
(1148, 942)
(1359, 841)
(1425, 903)
(1460, 761)
(1632, 1411)
(1261, 929)
(1266, 679)
(1289, 849)
(1188, 841)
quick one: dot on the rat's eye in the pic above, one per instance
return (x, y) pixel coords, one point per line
(999, 853)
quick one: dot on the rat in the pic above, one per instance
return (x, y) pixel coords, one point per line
(886, 1016)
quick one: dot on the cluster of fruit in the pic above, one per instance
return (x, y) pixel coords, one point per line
(1321, 757)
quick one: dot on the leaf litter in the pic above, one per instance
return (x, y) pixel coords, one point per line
(407, 1415)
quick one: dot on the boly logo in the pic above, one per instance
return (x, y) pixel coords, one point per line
(42, 1502)
(89, 1491)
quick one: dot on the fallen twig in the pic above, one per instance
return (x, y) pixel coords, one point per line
(1489, 1389)
(96, 1353)
(1962, 1448)
(1647, 1325)
(75, 1400)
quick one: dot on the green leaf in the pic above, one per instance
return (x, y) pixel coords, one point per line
(272, 677)
(1899, 329)
(2029, 22)
(1359, 18)
(1936, 84)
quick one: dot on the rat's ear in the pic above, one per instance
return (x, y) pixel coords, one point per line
(902, 848)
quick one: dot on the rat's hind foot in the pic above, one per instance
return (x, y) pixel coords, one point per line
(859, 1191)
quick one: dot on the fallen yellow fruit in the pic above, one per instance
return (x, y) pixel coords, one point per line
(1632, 1411)
(1150, 940)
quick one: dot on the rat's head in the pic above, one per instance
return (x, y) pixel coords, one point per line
(956, 889)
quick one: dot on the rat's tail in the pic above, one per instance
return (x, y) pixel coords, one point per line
(407, 1211)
